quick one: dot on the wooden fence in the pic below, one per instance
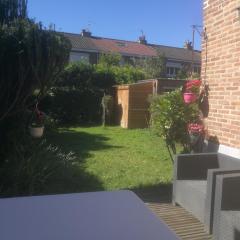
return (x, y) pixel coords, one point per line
(132, 100)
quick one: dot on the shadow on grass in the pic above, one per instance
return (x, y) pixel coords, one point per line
(76, 178)
(155, 193)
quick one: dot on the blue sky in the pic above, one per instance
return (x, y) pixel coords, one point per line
(166, 22)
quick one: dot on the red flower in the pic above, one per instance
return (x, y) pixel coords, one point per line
(195, 128)
(193, 84)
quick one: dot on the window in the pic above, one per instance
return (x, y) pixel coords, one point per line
(121, 44)
(78, 56)
(172, 71)
(197, 70)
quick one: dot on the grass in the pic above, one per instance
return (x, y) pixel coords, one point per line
(113, 158)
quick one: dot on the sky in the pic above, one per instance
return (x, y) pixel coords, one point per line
(165, 22)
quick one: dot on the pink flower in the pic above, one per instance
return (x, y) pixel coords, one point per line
(195, 128)
(193, 83)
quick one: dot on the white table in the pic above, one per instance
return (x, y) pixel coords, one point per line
(119, 215)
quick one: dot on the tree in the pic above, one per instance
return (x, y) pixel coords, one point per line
(12, 9)
(31, 57)
(110, 59)
(155, 67)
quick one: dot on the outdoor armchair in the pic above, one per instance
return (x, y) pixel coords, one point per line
(227, 207)
(194, 182)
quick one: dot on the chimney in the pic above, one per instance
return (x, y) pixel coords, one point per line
(86, 33)
(142, 39)
(188, 45)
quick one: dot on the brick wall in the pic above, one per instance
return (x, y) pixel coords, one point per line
(222, 22)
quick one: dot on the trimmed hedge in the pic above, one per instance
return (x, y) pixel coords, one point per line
(77, 96)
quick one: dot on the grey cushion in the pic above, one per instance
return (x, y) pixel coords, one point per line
(194, 182)
(229, 225)
(191, 194)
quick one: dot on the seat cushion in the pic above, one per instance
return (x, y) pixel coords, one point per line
(191, 195)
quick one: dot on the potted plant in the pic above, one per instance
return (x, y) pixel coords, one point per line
(196, 135)
(192, 89)
(36, 127)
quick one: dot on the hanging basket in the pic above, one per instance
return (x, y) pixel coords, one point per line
(36, 132)
(189, 97)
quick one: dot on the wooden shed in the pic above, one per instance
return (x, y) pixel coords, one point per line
(132, 104)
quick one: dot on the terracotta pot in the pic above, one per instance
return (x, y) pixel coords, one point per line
(189, 97)
(36, 132)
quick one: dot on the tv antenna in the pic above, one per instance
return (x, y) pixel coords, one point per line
(198, 29)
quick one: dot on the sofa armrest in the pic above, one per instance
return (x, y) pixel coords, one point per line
(210, 196)
(227, 197)
(194, 166)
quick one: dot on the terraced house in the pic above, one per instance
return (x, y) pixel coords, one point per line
(87, 47)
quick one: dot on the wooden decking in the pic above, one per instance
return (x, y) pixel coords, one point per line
(184, 224)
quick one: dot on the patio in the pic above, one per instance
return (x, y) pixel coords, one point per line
(184, 224)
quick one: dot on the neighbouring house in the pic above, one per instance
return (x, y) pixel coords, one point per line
(221, 70)
(86, 47)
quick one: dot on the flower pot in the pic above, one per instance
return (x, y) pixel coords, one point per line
(36, 132)
(196, 142)
(189, 97)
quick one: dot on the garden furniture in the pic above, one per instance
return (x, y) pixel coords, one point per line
(227, 207)
(117, 215)
(194, 182)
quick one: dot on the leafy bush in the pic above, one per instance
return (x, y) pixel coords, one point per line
(31, 166)
(31, 58)
(37, 56)
(76, 97)
(127, 74)
(110, 59)
(154, 67)
(170, 117)
(12, 9)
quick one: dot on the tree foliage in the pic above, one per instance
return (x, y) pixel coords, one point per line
(31, 59)
(170, 117)
(77, 95)
(12, 9)
(154, 67)
(110, 59)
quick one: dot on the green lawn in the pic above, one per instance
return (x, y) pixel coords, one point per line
(114, 158)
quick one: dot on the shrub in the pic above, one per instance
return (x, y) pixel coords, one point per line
(30, 167)
(110, 59)
(37, 56)
(154, 67)
(127, 74)
(67, 106)
(170, 117)
(32, 58)
(76, 97)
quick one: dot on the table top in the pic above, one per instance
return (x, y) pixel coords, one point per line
(117, 215)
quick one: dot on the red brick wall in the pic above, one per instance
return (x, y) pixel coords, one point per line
(222, 22)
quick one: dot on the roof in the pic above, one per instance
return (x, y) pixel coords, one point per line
(129, 48)
(178, 53)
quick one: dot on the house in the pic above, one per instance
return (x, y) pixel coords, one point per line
(86, 47)
(221, 70)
